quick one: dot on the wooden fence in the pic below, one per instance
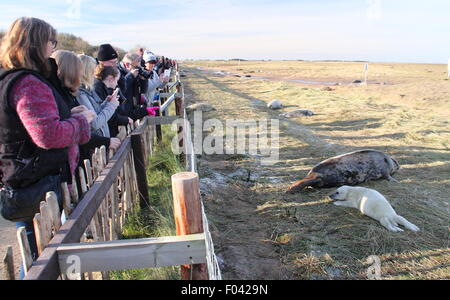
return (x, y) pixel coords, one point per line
(86, 238)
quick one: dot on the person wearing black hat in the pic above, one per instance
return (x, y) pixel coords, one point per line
(107, 56)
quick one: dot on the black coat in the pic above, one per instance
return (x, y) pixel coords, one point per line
(119, 118)
(132, 88)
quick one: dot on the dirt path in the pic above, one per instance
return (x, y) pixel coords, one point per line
(8, 238)
(262, 233)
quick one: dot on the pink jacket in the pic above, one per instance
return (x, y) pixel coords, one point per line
(38, 111)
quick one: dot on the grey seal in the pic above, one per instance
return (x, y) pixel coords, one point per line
(349, 169)
(297, 113)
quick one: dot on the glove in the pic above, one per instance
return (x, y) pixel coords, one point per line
(152, 110)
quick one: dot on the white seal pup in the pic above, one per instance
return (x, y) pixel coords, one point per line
(372, 204)
(275, 104)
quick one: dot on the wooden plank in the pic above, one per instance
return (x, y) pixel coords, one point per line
(55, 214)
(38, 233)
(135, 254)
(46, 266)
(162, 120)
(140, 166)
(103, 154)
(167, 95)
(67, 206)
(83, 182)
(171, 85)
(88, 168)
(74, 192)
(46, 223)
(133, 184)
(115, 210)
(167, 103)
(25, 252)
(8, 264)
(113, 219)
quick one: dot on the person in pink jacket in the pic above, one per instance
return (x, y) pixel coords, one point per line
(32, 114)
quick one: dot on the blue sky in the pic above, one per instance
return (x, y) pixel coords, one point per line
(375, 30)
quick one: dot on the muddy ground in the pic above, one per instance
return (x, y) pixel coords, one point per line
(8, 238)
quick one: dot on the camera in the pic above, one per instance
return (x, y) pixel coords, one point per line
(144, 73)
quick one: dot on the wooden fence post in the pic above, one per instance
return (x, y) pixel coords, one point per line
(140, 166)
(158, 127)
(179, 110)
(8, 265)
(188, 217)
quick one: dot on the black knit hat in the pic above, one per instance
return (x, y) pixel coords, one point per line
(106, 52)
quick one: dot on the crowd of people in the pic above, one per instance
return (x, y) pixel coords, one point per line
(56, 107)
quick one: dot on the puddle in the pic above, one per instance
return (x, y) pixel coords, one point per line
(222, 73)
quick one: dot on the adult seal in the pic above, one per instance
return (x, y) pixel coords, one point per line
(349, 169)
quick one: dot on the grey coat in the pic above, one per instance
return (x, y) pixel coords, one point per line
(104, 110)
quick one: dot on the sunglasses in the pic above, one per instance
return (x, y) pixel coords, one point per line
(54, 43)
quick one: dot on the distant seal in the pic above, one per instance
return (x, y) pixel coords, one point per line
(200, 107)
(297, 113)
(349, 169)
(372, 204)
(275, 104)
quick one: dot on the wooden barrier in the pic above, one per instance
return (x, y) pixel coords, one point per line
(95, 210)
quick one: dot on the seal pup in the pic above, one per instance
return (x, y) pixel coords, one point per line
(349, 169)
(372, 204)
(275, 104)
(297, 113)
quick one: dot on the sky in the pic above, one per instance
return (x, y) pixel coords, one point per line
(373, 30)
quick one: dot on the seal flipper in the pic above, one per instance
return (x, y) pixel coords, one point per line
(302, 184)
(388, 176)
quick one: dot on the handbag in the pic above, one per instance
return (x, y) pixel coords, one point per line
(21, 205)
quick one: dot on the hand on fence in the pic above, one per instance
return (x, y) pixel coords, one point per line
(114, 144)
(152, 110)
(164, 78)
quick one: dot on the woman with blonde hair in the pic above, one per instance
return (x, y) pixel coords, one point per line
(68, 81)
(39, 134)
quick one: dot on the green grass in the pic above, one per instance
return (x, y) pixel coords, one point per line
(157, 220)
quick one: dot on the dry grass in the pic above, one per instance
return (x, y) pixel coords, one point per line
(308, 236)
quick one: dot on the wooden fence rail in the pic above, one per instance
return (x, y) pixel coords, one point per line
(96, 205)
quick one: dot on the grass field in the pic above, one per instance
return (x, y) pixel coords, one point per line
(157, 220)
(262, 233)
